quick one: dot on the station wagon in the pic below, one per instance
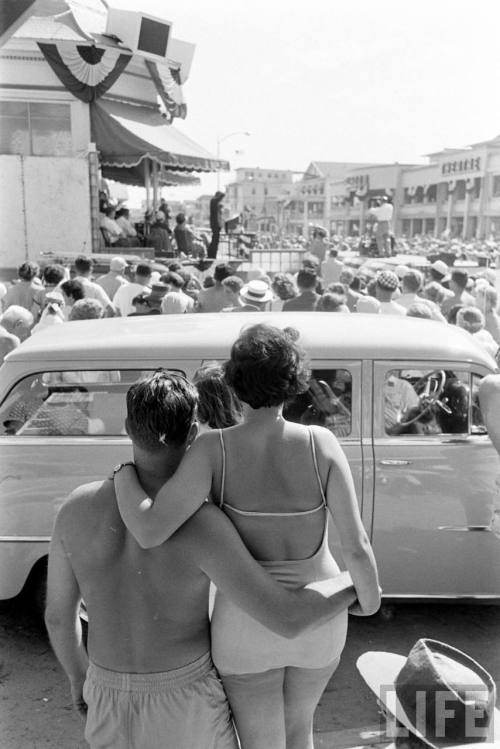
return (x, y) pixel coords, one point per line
(399, 393)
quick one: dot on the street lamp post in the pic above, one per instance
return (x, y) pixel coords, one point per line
(221, 140)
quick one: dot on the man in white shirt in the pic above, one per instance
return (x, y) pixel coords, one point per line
(112, 280)
(387, 283)
(175, 302)
(83, 268)
(141, 284)
(113, 232)
(412, 283)
(331, 268)
(123, 221)
(383, 213)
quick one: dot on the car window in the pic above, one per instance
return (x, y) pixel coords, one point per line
(69, 403)
(327, 402)
(431, 401)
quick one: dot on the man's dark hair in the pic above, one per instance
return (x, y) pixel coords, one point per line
(334, 252)
(180, 218)
(222, 271)
(266, 366)
(83, 264)
(306, 279)
(460, 277)
(330, 302)
(172, 279)
(122, 212)
(53, 274)
(160, 410)
(27, 271)
(234, 283)
(73, 289)
(143, 269)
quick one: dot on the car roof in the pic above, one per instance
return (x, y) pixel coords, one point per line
(325, 335)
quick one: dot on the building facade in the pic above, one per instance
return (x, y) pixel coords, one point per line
(456, 194)
(257, 195)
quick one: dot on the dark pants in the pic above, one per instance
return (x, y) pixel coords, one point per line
(214, 244)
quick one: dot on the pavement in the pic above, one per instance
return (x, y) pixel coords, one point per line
(347, 715)
(35, 706)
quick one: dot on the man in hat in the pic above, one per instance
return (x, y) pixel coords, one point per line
(142, 306)
(254, 297)
(114, 278)
(438, 696)
(387, 284)
(440, 273)
(150, 303)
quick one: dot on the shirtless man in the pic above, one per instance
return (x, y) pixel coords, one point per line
(148, 680)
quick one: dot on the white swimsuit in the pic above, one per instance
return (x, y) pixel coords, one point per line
(242, 645)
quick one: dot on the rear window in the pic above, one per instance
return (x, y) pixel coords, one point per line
(327, 402)
(75, 403)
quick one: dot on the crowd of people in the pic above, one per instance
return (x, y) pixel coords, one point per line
(53, 296)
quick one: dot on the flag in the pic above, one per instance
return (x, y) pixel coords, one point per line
(169, 90)
(87, 71)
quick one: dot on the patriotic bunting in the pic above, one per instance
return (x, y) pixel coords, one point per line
(169, 90)
(88, 72)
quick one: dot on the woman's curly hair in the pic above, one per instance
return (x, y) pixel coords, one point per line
(267, 366)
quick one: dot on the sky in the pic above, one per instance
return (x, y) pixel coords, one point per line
(335, 80)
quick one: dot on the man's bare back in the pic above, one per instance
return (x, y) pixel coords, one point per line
(149, 610)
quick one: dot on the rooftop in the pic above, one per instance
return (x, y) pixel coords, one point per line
(156, 341)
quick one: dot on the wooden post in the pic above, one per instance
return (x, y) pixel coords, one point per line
(95, 232)
(147, 183)
(155, 186)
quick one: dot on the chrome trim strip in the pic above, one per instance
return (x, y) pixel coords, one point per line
(441, 597)
(24, 539)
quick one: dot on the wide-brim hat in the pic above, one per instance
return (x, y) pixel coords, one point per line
(440, 267)
(256, 291)
(420, 689)
(158, 291)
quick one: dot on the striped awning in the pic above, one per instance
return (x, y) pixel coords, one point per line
(126, 135)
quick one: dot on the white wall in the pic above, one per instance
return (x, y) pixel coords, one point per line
(12, 240)
(57, 204)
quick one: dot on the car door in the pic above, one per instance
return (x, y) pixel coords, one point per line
(435, 516)
(58, 430)
(335, 400)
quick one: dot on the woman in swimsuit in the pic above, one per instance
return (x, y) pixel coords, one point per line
(281, 484)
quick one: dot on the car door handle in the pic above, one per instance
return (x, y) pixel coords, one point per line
(395, 462)
(462, 528)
